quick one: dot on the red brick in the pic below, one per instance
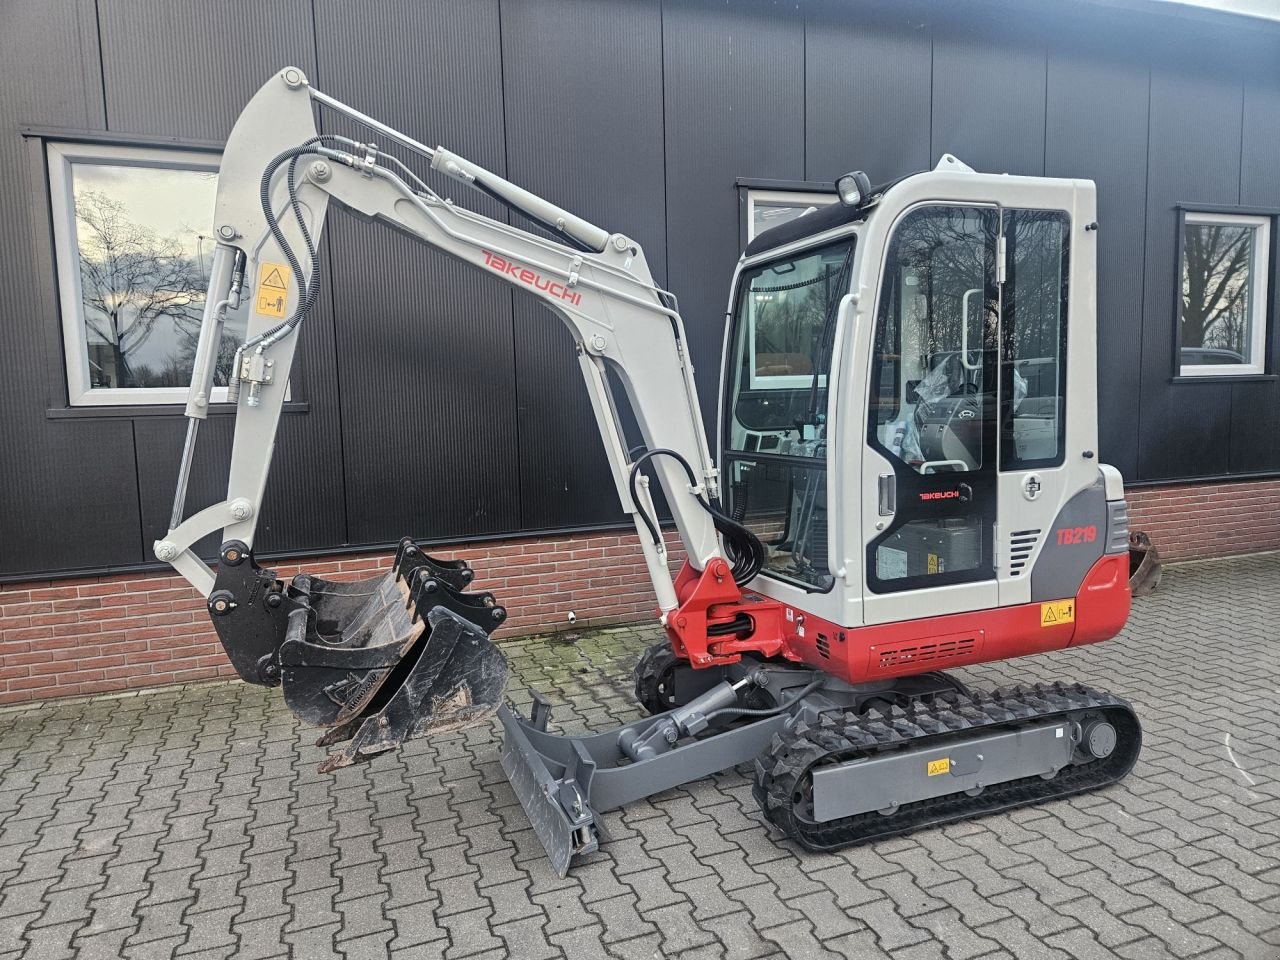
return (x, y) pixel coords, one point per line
(27, 633)
(105, 588)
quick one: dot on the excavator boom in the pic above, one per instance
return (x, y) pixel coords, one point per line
(382, 655)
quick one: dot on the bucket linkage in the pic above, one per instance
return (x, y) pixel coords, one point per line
(377, 661)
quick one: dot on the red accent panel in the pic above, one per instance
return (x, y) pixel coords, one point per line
(1102, 605)
(886, 650)
(959, 639)
(699, 593)
(933, 643)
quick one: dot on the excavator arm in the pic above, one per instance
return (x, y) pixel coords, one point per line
(598, 283)
(345, 652)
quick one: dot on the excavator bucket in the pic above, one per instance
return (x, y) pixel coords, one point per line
(382, 660)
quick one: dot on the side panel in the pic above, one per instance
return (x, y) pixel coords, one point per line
(1195, 127)
(565, 59)
(425, 351)
(732, 84)
(1095, 613)
(1255, 407)
(199, 95)
(988, 94)
(1097, 129)
(1057, 485)
(58, 511)
(1026, 522)
(867, 94)
(183, 69)
(1070, 545)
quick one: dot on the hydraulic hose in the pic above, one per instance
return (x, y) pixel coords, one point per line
(766, 711)
(306, 291)
(746, 552)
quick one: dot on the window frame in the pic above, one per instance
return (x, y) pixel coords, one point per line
(808, 197)
(1008, 461)
(730, 454)
(1261, 293)
(59, 154)
(910, 483)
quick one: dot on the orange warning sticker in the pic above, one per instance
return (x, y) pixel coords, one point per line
(1057, 612)
(273, 289)
(937, 767)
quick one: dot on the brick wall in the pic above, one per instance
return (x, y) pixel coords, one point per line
(1188, 522)
(90, 635)
(78, 636)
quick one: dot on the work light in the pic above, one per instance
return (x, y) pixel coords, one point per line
(853, 188)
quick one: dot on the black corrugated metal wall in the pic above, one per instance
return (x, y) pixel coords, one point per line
(444, 406)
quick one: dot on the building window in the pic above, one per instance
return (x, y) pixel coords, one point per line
(767, 209)
(1222, 316)
(133, 234)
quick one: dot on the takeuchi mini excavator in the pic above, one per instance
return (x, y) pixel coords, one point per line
(905, 481)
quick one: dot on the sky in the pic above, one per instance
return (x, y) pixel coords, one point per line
(1267, 9)
(176, 203)
(171, 203)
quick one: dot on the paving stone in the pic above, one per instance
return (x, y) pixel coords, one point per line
(193, 823)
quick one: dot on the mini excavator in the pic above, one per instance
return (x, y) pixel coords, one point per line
(905, 482)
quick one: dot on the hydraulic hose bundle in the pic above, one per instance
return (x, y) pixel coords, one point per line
(307, 292)
(746, 554)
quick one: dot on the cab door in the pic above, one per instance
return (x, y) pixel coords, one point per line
(931, 479)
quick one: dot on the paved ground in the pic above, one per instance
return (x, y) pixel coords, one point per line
(192, 822)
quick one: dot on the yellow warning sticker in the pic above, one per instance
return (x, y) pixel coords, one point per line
(273, 289)
(937, 767)
(1057, 612)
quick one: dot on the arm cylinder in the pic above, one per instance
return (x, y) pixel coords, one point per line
(582, 232)
(219, 295)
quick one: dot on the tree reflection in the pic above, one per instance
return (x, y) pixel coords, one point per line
(134, 282)
(1215, 286)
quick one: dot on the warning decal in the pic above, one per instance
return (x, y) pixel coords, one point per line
(273, 289)
(1057, 612)
(937, 767)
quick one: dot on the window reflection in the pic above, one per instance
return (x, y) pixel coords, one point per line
(143, 241)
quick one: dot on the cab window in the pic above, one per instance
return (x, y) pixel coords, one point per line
(775, 442)
(1033, 353)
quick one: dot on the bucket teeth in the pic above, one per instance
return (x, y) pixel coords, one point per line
(392, 657)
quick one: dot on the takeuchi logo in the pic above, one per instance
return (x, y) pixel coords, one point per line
(529, 278)
(940, 495)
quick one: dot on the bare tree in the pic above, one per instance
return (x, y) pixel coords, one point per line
(130, 280)
(1215, 285)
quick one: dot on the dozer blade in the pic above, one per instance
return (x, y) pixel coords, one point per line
(393, 657)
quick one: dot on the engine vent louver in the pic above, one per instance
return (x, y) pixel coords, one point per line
(824, 646)
(937, 650)
(1021, 545)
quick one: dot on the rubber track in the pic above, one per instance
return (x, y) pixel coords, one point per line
(781, 770)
